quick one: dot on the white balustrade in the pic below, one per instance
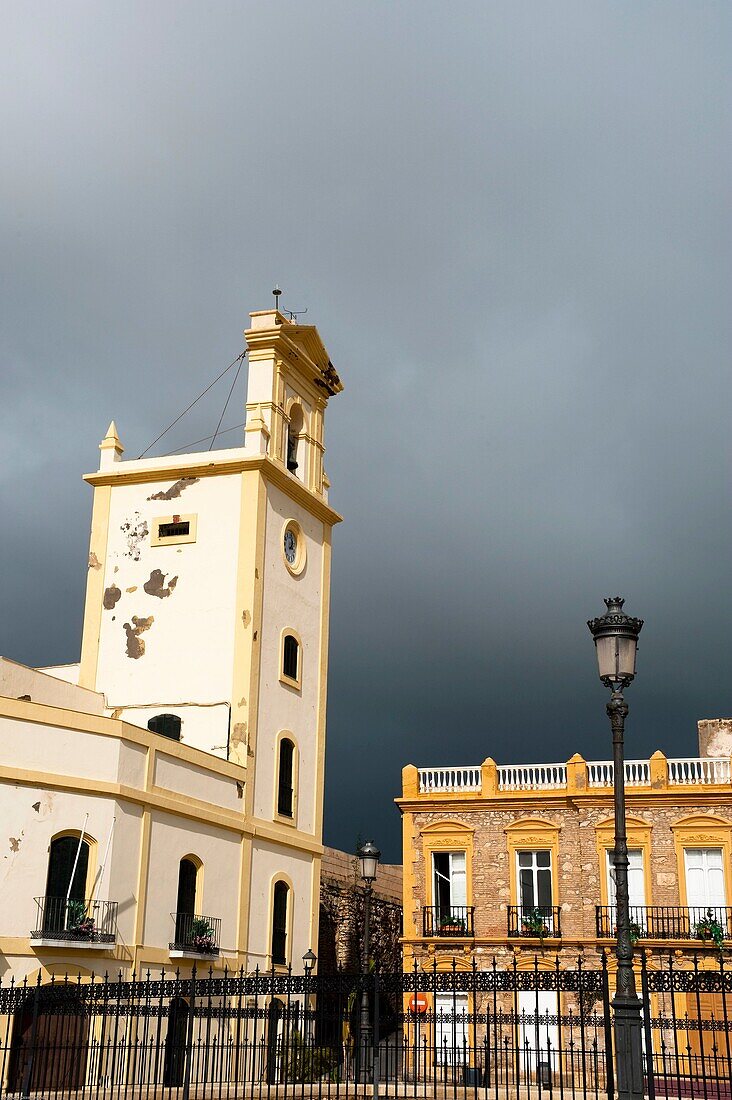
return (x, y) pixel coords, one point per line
(532, 777)
(547, 777)
(698, 769)
(449, 779)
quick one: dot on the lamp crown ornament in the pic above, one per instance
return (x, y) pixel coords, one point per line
(616, 641)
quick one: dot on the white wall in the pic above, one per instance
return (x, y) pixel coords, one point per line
(17, 681)
(189, 644)
(268, 862)
(289, 602)
(204, 727)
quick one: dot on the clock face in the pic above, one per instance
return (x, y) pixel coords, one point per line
(290, 545)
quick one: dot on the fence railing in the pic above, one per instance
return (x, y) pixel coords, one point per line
(669, 922)
(196, 933)
(69, 919)
(449, 779)
(493, 1030)
(536, 921)
(451, 920)
(577, 774)
(531, 777)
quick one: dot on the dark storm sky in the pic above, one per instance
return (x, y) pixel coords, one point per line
(511, 224)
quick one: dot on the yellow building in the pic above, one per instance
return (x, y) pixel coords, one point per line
(513, 863)
(169, 787)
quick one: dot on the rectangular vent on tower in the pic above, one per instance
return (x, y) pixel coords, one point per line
(173, 530)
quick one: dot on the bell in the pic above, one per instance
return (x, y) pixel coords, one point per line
(291, 453)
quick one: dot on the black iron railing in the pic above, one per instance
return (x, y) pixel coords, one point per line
(194, 932)
(447, 920)
(538, 1032)
(75, 921)
(535, 921)
(669, 922)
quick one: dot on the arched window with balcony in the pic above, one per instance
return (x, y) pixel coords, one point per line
(280, 904)
(63, 908)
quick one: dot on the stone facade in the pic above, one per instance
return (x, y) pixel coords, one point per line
(492, 814)
(341, 915)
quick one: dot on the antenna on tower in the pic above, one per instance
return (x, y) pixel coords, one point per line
(293, 313)
(276, 292)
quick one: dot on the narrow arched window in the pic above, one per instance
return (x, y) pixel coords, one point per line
(64, 906)
(185, 909)
(291, 657)
(294, 428)
(286, 775)
(279, 923)
(167, 725)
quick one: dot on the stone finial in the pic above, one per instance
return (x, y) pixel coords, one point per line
(111, 447)
(715, 736)
(410, 781)
(488, 778)
(576, 774)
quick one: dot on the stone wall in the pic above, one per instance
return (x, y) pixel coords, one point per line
(341, 915)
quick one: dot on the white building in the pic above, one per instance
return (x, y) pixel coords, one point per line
(169, 787)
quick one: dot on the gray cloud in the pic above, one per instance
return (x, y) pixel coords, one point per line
(510, 224)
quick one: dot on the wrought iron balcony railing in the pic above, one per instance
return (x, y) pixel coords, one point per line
(196, 933)
(75, 921)
(447, 920)
(669, 922)
(535, 921)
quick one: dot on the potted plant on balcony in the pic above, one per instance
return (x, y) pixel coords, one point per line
(533, 923)
(451, 925)
(203, 937)
(79, 924)
(709, 928)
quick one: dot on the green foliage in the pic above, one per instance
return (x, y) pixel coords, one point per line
(709, 928)
(534, 923)
(302, 1062)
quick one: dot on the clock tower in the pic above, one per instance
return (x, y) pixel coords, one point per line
(207, 611)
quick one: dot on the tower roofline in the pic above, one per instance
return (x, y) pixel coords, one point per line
(301, 344)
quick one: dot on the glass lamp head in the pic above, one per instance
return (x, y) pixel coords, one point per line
(616, 643)
(368, 858)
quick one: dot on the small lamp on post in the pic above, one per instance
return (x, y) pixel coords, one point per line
(368, 858)
(616, 642)
(309, 960)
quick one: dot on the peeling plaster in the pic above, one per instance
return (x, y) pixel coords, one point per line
(111, 596)
(94, 562)
(174, 490)
(239, 734)
(116, 713)
(135, 644)
(135, 531)
(14, 842)
(156, 585)
(37, 807)
(133, 589)
(246, 618)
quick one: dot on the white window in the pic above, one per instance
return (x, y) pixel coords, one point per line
(704, 881)
(636, 880)
(451, 1029)
(538, 1012)
(535, 879)
(448, 882)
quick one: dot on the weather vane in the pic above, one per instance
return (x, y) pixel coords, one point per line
(291, 313)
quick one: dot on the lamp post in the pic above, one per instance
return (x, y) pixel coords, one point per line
(616, 643)
(309, 960)
(368, 858)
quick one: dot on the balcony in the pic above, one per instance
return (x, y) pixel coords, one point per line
(196, 936)
(577, 776)
(534, 922)
(453, 920)
(66, 922)
(668, 922)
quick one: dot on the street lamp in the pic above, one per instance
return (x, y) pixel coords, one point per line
(309, 960)
(368, 859)
(616, 642)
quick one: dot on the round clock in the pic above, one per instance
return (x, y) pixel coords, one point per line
(293, 547)
(290, 546)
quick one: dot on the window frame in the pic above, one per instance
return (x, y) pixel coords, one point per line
(284, 880)
(284, 679)
(173, 540)
(286, 819)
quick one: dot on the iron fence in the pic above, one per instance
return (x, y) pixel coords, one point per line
(490, 1031)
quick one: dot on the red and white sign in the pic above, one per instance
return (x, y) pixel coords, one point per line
(418, 1003)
